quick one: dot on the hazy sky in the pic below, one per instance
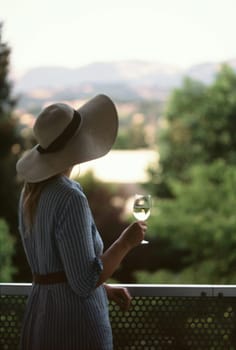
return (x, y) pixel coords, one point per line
(74, 32)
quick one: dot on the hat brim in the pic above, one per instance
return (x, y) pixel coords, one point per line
(94, 138)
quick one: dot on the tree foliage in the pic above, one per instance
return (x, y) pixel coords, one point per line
(9, 139)
(137, 124)
(201, 223)
(199, 128)
(195, 214)
(6, 252)
(10, 147)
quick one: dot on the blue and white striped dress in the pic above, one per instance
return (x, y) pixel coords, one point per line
(73, 315)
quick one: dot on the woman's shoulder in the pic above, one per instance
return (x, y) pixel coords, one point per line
(70, 184)
(69, 197)
(64, 188)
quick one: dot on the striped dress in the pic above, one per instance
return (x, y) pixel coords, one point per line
(73, 315)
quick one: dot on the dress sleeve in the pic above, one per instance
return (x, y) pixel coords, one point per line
(76, 246)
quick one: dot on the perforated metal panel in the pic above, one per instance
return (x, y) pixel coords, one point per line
(179, 323)
(11, 312)
(154, 322)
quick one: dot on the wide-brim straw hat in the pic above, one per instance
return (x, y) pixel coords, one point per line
(67, 137)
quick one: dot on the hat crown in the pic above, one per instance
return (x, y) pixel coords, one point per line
(51, 122)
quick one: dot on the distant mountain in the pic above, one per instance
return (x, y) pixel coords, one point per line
(100, 72)
(205, 72)
(130, 79)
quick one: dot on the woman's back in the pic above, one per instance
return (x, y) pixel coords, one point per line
(64, 238)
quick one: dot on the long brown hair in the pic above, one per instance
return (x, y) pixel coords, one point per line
(31, 195)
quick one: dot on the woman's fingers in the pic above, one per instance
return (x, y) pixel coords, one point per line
(120, 296)
(124, 299)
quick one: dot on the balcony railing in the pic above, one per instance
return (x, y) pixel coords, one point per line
(161, 317)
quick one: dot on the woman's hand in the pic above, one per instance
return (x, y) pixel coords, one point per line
(119, 295)
(134, 233)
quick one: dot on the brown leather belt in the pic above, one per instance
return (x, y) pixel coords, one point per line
(51, 278)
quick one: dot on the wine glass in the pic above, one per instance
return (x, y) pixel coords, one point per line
(142, 208)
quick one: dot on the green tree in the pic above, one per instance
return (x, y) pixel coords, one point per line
(199, 128)
(201, 226)
(132, 136)
(9, 139)
(10, 147)
(195, 214)
(6, 252)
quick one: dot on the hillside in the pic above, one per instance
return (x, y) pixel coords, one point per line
(124, 80)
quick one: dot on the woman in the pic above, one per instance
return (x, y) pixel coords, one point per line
(68, 307)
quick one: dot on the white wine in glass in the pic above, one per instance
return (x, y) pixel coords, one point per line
(142, 208)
